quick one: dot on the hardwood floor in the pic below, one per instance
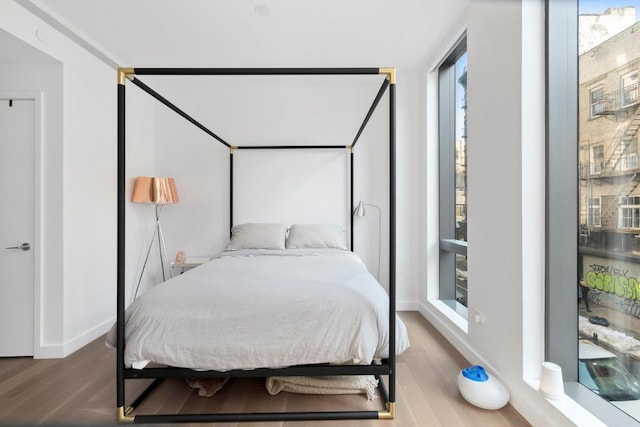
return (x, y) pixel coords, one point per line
(80, 391)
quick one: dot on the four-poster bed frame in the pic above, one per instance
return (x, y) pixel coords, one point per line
(125, 414)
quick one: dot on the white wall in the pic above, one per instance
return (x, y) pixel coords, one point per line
(78, 185)
(140, 218)
(89, 177)
(408, 190)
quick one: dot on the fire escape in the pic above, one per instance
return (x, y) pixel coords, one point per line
(618, 165)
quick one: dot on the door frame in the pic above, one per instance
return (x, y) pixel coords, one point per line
(36, 97)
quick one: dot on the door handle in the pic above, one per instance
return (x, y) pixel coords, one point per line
(25, 247)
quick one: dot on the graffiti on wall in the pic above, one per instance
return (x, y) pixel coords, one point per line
(613, 287)
(613, 280)
(627, 306)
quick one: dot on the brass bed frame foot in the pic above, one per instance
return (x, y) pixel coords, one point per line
(123, 416)
(390, 413)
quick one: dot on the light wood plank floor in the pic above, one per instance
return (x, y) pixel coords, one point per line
(80, 391)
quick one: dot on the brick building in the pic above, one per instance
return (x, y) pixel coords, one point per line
(608, 143)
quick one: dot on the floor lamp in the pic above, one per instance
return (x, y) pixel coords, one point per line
(360, 211)
(160, 192)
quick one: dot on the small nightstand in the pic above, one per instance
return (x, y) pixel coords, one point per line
(189, 263)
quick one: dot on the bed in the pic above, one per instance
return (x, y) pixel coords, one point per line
(256, 308)
(294, 308)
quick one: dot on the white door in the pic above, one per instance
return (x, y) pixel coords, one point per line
(17, 145)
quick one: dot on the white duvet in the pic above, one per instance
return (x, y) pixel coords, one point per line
(256, 309)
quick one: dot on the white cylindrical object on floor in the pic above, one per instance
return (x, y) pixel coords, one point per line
(551, 383)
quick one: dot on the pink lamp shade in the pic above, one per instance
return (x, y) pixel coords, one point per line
(150, 189)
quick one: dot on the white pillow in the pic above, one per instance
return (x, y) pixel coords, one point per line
(257, 236)
(315, 236)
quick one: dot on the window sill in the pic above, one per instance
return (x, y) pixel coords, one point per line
(578, 398)
(599, 408)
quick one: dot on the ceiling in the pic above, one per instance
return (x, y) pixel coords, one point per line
(255, 33)
(14, 50)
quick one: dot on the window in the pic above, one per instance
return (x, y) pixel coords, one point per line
(595, 212)
(596, 101)
(629, 158)
(629, 86)
(452, 81)
(608, 267)
(599, 267)
(597, 159)
(629, 212)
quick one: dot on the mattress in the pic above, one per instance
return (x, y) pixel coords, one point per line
(252, 309)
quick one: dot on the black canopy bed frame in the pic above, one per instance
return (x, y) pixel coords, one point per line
(126, 413)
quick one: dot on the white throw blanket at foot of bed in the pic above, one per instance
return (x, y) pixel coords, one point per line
(342, 384)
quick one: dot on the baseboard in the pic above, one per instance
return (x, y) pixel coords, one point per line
(62, 351)
(47, 351)
(449, 330)
(88, 336)
(406, 306)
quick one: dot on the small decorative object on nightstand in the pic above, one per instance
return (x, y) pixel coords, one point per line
(180, 257)
(189, 262)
